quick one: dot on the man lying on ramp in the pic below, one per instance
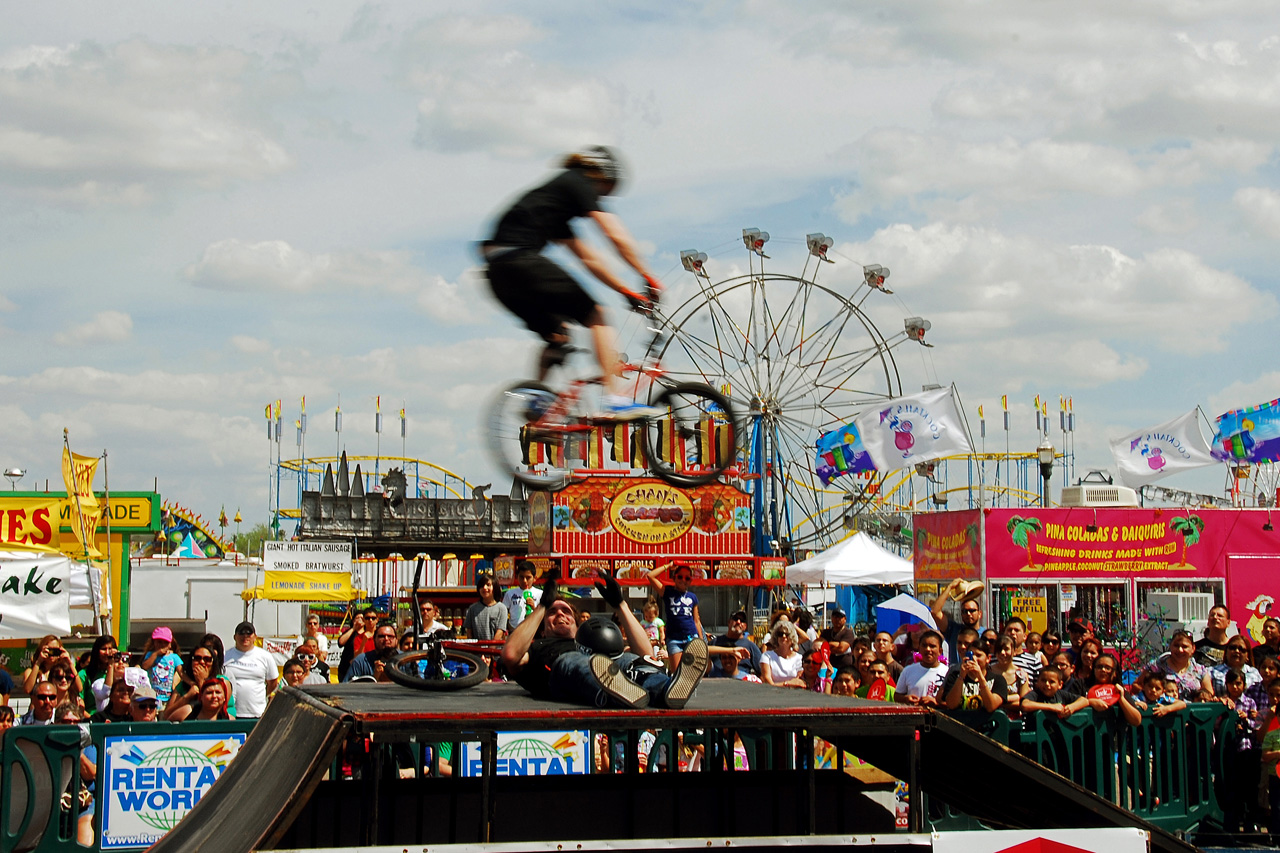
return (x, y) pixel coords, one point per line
(586, 664)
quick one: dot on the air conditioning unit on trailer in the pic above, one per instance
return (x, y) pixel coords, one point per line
(1183, 607)
(1088, 494)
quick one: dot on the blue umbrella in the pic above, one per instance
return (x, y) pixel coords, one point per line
(902, 610)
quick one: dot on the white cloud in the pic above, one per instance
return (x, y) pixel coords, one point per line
(111, 327)
(108, 118)
(1244, 392)
(983, 284)
(250, 345)
(1260, 208)
(482, 91)
(276, 266)
(897, 165)
(1175, 217)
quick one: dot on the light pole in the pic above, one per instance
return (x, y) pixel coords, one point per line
(1046, 453)
(14, 475)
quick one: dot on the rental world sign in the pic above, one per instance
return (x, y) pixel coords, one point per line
(152, 781)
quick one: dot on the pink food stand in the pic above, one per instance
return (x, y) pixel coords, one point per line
(1053, 564)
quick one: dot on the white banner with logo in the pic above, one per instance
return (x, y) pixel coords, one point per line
(1148, 455)
(532, 754)
(1104, 840)
(913, 429)
(150, 782)
(35, 596)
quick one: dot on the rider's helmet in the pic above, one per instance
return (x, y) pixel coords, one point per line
(599, 162)
(600, 636)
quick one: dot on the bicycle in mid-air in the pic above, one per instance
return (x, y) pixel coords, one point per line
(535, 432)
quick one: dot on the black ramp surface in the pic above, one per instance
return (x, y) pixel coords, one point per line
(257, 795)
(268, 785)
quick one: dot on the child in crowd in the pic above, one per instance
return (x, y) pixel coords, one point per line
(846, 682)
(655, 627)
(1270, 757)
(1048, 695)
(877, 679)
(1035, 645)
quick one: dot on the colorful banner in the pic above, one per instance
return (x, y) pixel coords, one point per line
(913, 429)
(946, 545)
(77, 474)
(149, 782)
(532, 754)
(621, 516)
(1148, 455)
(29, 524)
(1248, 435)
(841, 452)
(35, 597)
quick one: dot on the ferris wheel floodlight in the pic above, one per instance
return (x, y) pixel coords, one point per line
(874, 275)
(693, 260)
(819, 244)
(754, 239)
(916, 327)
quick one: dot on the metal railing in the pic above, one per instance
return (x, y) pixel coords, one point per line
(1163, 770)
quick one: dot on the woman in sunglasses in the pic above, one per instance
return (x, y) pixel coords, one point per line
(48, 652)
(63, 678)
(684, 621)
(317, 671)
(193, 674)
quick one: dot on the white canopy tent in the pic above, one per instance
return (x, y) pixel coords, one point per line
(857, 561)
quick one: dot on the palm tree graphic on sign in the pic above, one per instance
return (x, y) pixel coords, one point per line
(1020, 530)
(1190, 528)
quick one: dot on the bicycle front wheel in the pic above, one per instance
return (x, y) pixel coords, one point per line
(696, 437)
(415, 669)
(527, 436)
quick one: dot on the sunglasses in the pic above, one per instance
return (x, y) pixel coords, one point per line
(971, 610)
(44, 697)
(147, 706)
(306, 657)
(203, 658)
(60, 678)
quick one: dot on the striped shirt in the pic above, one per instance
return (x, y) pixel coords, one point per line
(1028, 662)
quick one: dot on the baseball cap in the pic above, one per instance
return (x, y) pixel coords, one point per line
(143, 692)
(839, 614)
(738, 616)
(245, 628)
(162, 633)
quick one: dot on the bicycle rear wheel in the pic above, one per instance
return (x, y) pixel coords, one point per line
(415, 669)
(695, 440)
(527, 436)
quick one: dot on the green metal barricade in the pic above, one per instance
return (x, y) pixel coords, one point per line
(1162, 770)
(42, 763)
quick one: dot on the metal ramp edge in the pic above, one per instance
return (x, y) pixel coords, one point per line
(997, 785)
(260, 793)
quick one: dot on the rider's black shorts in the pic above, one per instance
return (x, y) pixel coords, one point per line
(539, 292)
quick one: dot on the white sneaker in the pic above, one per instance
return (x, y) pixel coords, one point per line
(619, 408)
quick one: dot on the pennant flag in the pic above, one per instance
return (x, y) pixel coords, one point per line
(1248, 435)
(913, 429)
(620, 446)
(1150, 454)
(404, 431)
(841, 452)
(77, 475)
(982, 423)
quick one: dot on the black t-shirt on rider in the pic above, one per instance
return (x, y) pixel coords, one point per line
(535, 676)
(543, 214)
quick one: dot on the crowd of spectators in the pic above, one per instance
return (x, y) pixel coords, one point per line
(964, 665)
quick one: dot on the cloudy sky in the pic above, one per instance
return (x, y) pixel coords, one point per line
(209, 207)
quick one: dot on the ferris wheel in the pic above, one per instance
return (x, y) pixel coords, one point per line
(800, 355)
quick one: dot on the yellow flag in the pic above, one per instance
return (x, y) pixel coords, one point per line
(77, 475)
(979, 411)
(1004, 402)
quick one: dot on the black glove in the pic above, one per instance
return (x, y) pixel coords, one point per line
(550, 590)
(610, 591)
(638, 302)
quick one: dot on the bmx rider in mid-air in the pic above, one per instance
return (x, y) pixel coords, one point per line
(543, 294)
